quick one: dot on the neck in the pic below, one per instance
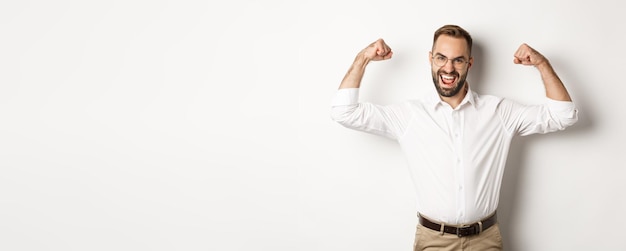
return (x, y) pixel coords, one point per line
(455, 100)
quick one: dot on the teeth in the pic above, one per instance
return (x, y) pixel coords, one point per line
(447, 77)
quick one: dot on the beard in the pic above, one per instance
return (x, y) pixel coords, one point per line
(449, 92)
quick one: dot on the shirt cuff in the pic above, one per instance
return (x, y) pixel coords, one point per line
(566, 109)
(346, 96)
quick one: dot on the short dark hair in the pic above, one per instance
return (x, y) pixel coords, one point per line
(454, 31)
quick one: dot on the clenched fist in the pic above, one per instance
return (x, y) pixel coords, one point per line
(526, 55)
(377, 50)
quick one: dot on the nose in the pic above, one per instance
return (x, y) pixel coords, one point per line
(448, 66)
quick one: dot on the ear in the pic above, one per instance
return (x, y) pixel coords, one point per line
(430, 57)
(471, 62)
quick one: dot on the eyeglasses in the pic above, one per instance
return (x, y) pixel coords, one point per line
(441, 60)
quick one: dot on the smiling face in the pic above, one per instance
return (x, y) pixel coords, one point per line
(449, 78)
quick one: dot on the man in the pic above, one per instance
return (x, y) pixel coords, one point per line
(456, 141)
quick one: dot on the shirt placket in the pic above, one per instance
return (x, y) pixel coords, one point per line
(457, 141)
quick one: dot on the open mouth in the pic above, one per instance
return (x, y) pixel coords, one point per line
(447, 80)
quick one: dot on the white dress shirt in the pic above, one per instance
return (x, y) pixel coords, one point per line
(456, 157)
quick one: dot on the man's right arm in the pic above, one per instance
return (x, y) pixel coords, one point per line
(386, 121)
(376, 51)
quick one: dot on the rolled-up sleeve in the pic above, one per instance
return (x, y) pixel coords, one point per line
(388, 121)
(565, 112)
(551, 116)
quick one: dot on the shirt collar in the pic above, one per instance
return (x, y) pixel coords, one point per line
(470, 97)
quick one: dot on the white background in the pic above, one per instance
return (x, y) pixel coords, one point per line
(195, 125)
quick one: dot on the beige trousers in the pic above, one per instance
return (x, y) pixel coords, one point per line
(427, 239)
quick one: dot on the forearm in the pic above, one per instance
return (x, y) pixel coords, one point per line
(555, 89)
(353, 77)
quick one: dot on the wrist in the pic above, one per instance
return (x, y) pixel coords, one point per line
(361, 60)
(544, 65)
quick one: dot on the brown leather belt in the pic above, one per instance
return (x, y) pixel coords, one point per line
(461, 231)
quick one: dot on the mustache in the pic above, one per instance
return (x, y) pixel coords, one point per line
(454, 72)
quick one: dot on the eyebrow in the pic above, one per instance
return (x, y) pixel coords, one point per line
(439, 54)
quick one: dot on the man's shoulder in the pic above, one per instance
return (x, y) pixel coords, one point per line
(487, 98)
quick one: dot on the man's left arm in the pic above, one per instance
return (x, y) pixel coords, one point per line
(556, 114)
